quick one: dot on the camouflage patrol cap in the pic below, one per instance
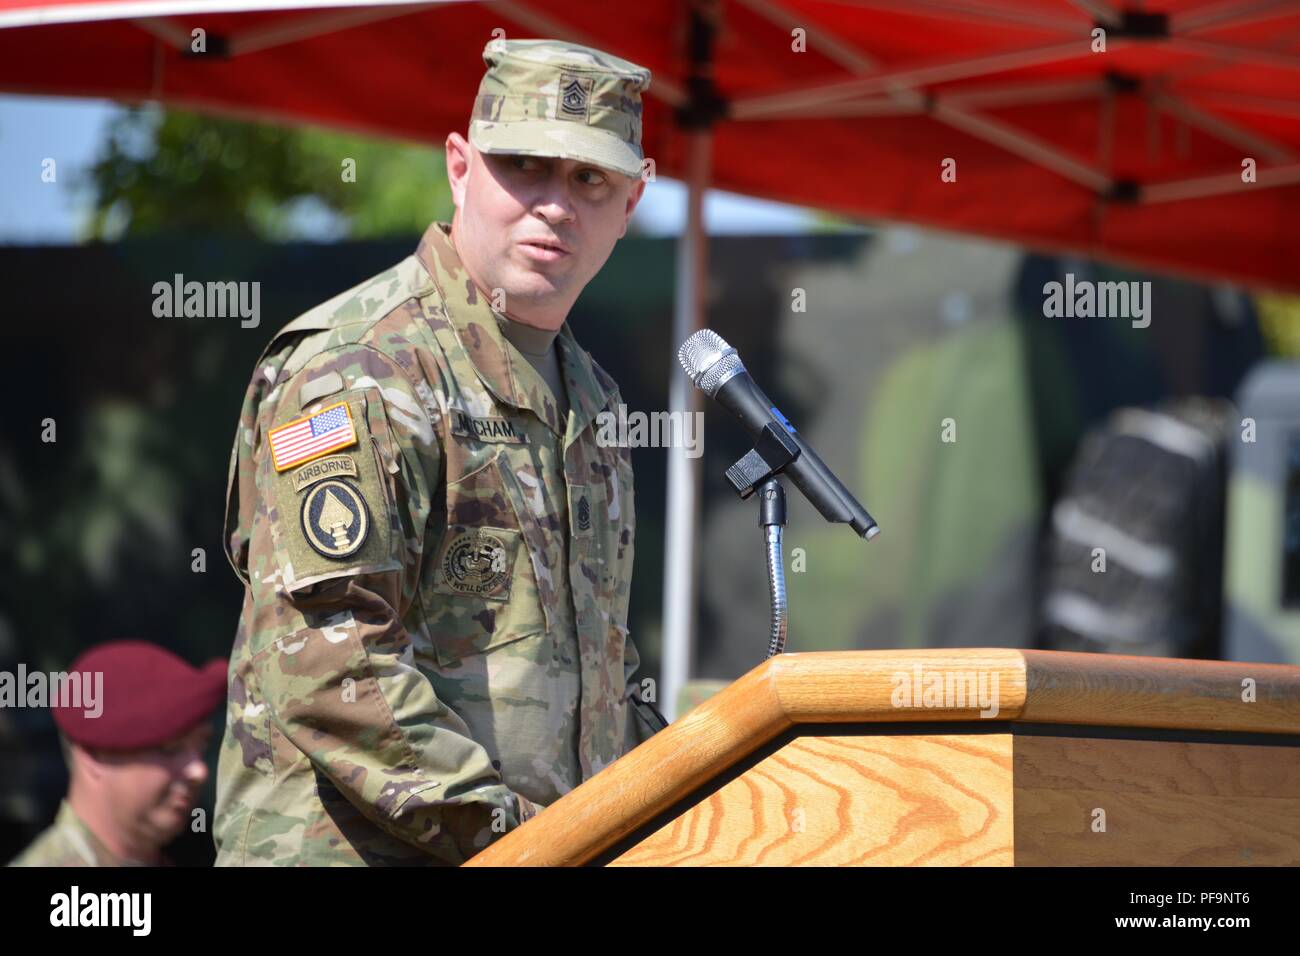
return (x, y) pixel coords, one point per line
(548, 98)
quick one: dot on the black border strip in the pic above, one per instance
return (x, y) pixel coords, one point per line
(914, 728)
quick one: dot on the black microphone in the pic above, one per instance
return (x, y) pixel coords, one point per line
(716, 370)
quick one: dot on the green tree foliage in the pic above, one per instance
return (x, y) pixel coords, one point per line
(163, 172)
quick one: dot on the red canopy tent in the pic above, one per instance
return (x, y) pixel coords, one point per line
(1134, 152)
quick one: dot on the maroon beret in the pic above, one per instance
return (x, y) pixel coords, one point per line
(148, 696)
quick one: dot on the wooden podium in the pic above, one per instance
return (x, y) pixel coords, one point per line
(992, 757)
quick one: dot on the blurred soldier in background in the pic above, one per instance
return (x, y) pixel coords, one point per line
(436, 548)
(135, 766)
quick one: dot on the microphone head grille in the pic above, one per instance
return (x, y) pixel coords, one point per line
(709, 361)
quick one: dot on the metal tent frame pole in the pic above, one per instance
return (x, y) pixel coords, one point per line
(695, 118)
(683, 508)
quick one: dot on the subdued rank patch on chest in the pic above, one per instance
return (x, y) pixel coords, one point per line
(335, 466)
(575, 96)
(479, 561)
(580, 523)
(487, 429)
(335, 518)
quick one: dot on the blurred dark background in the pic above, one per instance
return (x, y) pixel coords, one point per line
(903, 330)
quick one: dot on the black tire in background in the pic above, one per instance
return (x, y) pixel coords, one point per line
(1145, 494)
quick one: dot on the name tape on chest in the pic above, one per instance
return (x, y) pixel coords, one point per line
(487, 429)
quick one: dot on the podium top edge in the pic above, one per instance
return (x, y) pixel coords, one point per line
(1032, 686)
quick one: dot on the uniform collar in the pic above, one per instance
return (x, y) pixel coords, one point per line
(84, 842)
(500, 366)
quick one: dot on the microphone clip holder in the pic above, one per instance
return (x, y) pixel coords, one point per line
(759, 470)
(774, 451)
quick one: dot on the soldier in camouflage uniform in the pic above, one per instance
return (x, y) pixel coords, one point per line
(69, 842)
(135, 758)
(436, 550)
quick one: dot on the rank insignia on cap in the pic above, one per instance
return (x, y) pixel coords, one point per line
(306, 439)
(575, 94)
(335, 519)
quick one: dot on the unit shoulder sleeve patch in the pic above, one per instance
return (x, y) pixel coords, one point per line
(332, 513)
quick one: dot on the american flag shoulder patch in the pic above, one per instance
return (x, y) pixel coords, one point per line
(307, 438)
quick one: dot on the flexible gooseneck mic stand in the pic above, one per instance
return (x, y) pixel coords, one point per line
(758, 471)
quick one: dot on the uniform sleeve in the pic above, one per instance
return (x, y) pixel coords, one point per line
(643, 719)
(334, 568)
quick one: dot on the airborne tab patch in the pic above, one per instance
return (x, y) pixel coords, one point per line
(334, 466)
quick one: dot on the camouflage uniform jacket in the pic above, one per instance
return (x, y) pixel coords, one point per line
(434, 643)
(68, 842)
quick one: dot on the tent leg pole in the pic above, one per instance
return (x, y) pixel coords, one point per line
(682, 516)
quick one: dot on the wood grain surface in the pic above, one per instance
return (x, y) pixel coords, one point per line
(852, 801)
(1090, 690)
(1162, 803)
